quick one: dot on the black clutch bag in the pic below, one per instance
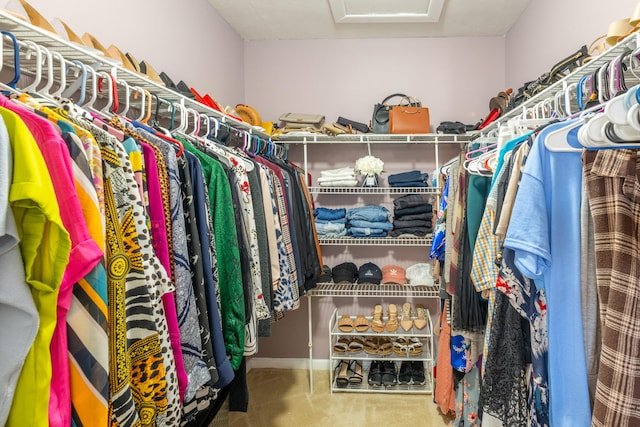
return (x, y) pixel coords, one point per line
(360, 127)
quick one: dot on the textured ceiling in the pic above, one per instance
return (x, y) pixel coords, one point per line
(312, 19)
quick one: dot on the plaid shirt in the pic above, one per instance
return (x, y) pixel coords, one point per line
(614, 198)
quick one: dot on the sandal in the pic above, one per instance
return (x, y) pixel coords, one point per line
(377, 325)
(421, 319)
(356, 345)
(385, 347)
(416, 346)
(361, 323)
(392, 323)
(371, 345)
(341, 346)
(406, 322)
(342, 379)
(345, 324)
(400, 346)
(355, 368)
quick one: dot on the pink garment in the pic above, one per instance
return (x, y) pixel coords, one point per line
(85, 253)
(443, 394)
(161, 248)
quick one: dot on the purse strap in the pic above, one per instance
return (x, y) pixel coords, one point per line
(384, 101)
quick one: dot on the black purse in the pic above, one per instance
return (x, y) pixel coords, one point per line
(360, 127)
(380, 118)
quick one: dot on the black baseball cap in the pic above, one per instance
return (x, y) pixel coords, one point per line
(369, 273)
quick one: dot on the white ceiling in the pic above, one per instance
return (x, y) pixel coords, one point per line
(313, 19)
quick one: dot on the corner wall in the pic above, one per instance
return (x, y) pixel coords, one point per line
(549, 31)
(189, 41)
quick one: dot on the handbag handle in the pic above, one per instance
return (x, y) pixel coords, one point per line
(411, 101)
(384, 101)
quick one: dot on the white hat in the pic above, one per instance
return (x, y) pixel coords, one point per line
(420, 274)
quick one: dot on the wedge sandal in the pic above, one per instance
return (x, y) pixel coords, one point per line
(371, 345)
(385, 347)
(415, 347)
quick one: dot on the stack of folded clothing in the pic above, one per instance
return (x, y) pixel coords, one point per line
(330, 222)
(413, 178)
(342, 177)
(412, 215)
(369, 221)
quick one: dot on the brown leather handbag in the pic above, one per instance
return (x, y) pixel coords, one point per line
(408, 119)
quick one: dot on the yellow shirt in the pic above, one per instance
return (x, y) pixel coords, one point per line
(45, 247)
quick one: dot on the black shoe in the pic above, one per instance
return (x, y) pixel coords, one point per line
(389, 374)
(417, 372)
(375, 373)
(404, 376)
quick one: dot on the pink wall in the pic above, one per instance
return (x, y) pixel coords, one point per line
(454, 77)
(190, 42)
(550, 30)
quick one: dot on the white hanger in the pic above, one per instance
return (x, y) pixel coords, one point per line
(127, 95)
(143, 100)
(63, 74)
(556, 140)
(33, 47)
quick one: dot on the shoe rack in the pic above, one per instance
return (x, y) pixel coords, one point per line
(369, 350)
(315, 152)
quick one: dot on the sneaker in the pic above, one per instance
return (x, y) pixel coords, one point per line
(375, 374)
(404, 376)
(417, 372)
(389, 374)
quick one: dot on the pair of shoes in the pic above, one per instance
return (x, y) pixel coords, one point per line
(411, 372)
(379, 325)
(349, 372)
(382, 373)
(411, 318)
(345, 345)
(347, 324)
(379, 346)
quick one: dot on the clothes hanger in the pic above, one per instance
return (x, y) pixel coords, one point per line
(126, 96)
(149, 100)
(11, 85)
(32, 47)
(80, 83)
(139, 92)
(57, 94)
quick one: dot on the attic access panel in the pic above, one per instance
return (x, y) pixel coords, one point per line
(385, 11)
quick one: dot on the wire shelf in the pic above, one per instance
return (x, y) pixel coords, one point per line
(376, 241)
(374, 190)
(328, 289)
(429, 138)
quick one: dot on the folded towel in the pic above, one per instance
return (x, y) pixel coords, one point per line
(410, 184)
(335, 178)
(340, 183)
(348, 170)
